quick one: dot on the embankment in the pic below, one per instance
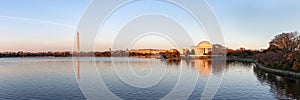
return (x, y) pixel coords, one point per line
(266, 69)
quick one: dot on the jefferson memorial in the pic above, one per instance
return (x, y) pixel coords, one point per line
(202, 49)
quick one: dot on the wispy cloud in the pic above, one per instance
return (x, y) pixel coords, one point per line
(37, 20)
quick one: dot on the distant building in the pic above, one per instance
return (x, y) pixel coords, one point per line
(147, 51)
(203, 48)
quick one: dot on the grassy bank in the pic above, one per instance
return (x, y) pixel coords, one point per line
(278, 67)
(278, 71)
(269, 69)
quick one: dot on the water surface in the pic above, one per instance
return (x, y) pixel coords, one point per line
(56, 78)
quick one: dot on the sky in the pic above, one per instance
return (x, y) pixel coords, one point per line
(50, 25)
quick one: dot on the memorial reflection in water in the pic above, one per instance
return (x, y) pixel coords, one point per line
(244, 77)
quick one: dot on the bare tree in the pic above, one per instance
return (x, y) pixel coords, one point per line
(218, 49)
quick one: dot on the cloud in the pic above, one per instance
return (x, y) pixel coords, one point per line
(37, 20)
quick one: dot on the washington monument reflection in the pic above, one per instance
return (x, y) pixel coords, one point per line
(77, 68)
(77, 57)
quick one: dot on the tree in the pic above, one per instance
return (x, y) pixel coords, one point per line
(218, 49)
(286, 42)
(283, 52)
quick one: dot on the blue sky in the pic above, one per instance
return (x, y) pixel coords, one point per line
(39, 25)
(253, 23)
(49, 25)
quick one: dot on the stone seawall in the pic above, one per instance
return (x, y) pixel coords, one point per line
(277, 72)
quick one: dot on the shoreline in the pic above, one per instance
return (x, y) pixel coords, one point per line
(266, 69)
(277, 71)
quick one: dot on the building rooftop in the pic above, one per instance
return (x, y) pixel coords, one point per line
(204, 44)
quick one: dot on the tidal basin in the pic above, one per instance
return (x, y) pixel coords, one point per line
(59, 78)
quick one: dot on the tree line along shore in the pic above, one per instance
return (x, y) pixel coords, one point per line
(117, 53)
(283, 53)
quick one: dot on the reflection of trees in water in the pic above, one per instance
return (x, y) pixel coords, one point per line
(240, 66)
(173, 61)
(218, 65)
(282, 87)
